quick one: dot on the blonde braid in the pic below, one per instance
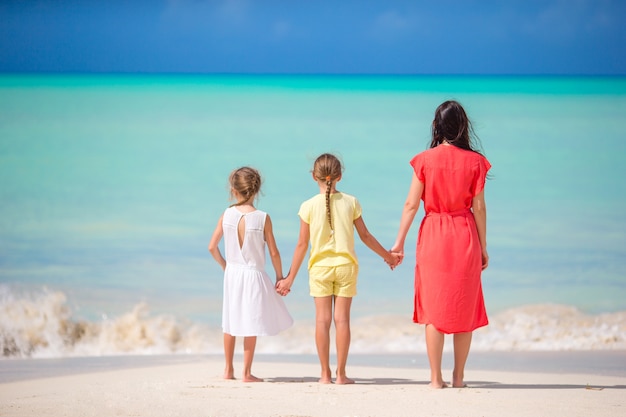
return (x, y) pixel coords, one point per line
(327, 168)
(329, 184)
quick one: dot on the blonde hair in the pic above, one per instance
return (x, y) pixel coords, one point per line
(247, 182)
(327, 168)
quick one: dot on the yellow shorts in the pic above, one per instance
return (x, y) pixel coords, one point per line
(337, 280)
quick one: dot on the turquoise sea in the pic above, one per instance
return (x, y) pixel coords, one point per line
(111, 185)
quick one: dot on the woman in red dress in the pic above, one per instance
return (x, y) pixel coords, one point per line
(452, 244)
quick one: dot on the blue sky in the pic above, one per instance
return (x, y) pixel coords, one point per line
(322, 36)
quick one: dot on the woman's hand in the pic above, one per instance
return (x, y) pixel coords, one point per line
(485, 257)
(398, 252)
(396, 259)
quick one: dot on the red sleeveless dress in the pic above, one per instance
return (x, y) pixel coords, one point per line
(448, 290)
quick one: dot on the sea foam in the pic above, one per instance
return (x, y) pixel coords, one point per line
(41, 325)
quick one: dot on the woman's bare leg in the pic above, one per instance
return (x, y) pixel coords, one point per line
(323, 318)
(462, 342)
(434, 347)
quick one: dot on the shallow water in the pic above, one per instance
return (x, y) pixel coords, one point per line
(111, 187)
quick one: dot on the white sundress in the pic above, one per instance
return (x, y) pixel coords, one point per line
(251, 305)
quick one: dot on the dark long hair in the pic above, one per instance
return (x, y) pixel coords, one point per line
(452, 125)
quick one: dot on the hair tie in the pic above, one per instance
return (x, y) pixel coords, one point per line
(327, 177)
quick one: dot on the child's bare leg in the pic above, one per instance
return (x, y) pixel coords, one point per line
(229, 353)
(434, 347)
(323, 318)
(249, 344)
(462, 342)
(342, 330)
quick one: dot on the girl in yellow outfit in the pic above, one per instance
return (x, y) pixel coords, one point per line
(327, 221)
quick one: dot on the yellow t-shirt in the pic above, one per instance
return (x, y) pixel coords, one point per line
(338, 248)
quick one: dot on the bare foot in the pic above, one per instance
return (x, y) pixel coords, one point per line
(458, 382)
(251, 378)
(326, 377)
(438, 385)
(229, 373)
(344, 380)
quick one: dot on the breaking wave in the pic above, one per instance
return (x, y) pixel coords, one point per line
(41, 325)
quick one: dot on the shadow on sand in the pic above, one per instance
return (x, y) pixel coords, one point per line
(470, 384)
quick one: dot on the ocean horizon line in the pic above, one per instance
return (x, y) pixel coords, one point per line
(323, 74)
(567, 84)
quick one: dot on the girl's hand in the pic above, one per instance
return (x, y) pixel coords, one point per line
(398, 252)
(394, 260)
(283, 287)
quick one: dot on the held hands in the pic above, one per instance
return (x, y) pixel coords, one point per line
(397, 254)
(394, 259)
(283, 286)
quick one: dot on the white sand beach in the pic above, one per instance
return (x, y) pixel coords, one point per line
(193, 386)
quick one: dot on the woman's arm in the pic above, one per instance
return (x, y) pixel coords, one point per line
(214, 244)
(479, 208)
(411, 206)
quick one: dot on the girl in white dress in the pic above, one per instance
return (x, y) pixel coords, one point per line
(251, 305)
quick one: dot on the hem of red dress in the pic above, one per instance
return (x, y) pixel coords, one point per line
(449, 331)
